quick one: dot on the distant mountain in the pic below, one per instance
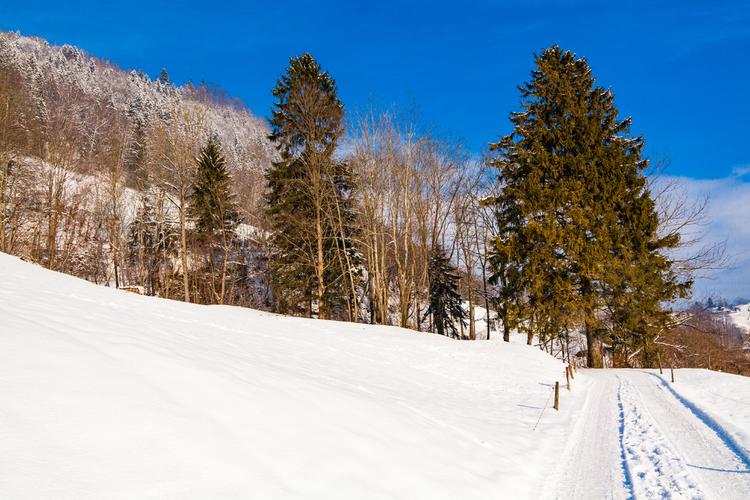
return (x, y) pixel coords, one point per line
(91, 90)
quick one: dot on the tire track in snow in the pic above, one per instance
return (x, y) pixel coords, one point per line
(741, 454)
(652, 466)
(715, 460)
(591, 466)
(637, 437)
(621, 429)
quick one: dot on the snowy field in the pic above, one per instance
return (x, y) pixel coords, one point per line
(111, 395)
(107, 394)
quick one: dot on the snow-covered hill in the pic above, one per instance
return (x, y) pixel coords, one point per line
(740, 317)
(107, 394)
(46, 67)
(110, 395)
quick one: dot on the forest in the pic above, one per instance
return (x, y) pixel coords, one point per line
(558, 230)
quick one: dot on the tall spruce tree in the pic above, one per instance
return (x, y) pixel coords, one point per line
(446, 304)
(580, 226)
(309, 202)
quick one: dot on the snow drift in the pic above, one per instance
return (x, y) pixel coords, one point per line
(107, 394)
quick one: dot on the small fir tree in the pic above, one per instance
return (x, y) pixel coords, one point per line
(446, 304)
(213, 207)
(212, 203)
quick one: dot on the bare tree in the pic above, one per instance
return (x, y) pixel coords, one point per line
(172, 147)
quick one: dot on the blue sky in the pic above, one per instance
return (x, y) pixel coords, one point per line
(680, 69)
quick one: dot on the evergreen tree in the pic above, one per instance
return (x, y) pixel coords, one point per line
(213, 207)
(581, 226)
(212, 202)
(503, 264)
(446, 304)
(309, 202)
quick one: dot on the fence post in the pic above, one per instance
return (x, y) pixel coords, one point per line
(557, 396)
(572, 369)
(567, 376)
(658, 358)
(671, 369)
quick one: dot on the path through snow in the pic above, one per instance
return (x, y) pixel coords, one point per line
(638, 437)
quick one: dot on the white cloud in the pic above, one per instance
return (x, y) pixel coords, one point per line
(727, 220)
(741, 170)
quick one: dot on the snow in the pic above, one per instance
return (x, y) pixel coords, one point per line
(652, 467)
(640, 436)
(723, 399)
(45, 67)
(108, 394)
(740, 317)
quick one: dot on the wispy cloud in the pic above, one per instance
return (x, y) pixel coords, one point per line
(741, 170)
(727, 221)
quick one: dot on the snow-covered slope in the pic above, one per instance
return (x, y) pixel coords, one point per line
(740, 317)
(106, 394)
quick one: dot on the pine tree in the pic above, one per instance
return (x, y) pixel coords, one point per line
(212, 202)
(309, 202)
(580, 227)
(213, 207)
(530, 255)
(446, 304)
(640, 281)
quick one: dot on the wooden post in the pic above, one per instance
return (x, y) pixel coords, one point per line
(557, 396)
(572, 370)
(658, 358)
(567, 376)
(671, 369)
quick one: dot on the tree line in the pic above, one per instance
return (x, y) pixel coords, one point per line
(555, 232)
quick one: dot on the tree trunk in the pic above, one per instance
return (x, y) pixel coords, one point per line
(594, 356)
(183, 249)
(472, 327)
(487, 302)
(319, 265)
(224, 265)
(373, 305)
(419, 315)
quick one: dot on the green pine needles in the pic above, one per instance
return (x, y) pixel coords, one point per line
(212, 203)
(446, 305)
(310, 204)
(579, 245)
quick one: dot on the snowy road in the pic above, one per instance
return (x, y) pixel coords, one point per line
(636, 436)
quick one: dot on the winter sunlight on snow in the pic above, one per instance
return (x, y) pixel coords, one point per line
(461, 251)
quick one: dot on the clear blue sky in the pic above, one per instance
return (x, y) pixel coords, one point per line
(680, 69)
